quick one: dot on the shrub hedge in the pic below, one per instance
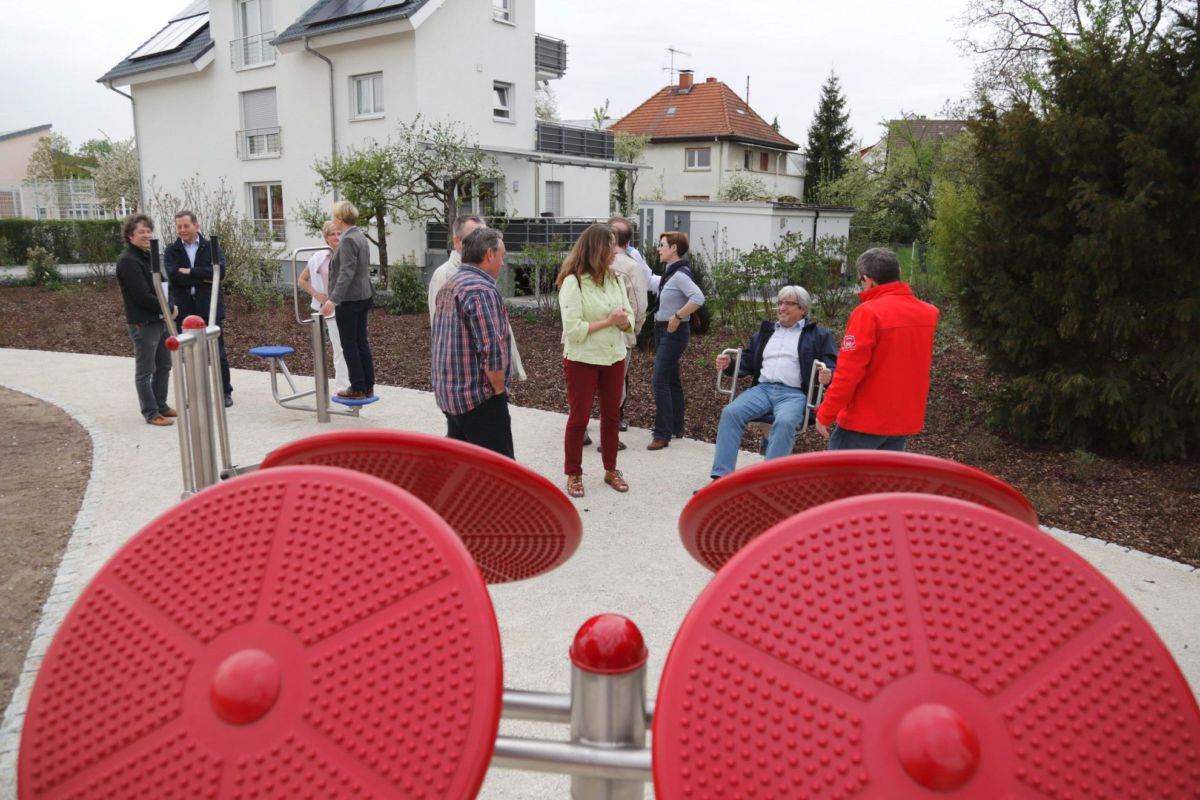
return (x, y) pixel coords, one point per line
(70, 241)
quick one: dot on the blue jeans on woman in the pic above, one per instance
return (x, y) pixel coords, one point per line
(668, 388)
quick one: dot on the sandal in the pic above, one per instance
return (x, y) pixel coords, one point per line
(575, 485)
(613, 478)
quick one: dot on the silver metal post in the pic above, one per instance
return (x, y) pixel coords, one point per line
(814, 387)
(184, 430)
(199, 415)
(320, 377)
(537, 706)
(214, 245)
(212, 338)
(608, 702)
(601, 766)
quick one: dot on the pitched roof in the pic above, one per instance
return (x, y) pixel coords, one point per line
(24, 132)
(323, 17)
(196, 45)
(702, 111)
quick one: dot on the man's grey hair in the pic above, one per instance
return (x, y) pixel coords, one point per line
(461, 222)
(795, 294)
(879, 264)
(478, 242)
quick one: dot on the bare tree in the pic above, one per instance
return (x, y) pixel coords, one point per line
(1015, 38)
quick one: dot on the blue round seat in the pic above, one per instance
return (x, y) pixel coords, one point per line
(364, 401)
(272, 351)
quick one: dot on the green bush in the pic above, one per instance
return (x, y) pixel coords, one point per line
(43, 267)
(408, 295)
(70, 241)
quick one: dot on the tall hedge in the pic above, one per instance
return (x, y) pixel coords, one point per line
(1081, 283)
(70, 241)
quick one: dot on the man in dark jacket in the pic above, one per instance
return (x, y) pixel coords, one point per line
(780, 357)
(188, 262)
(152, 362)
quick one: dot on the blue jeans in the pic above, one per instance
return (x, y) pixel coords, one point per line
(785, 402)
(668, 388)
(151, 366)
(846, 439)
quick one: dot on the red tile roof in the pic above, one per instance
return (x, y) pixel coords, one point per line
(706, 110)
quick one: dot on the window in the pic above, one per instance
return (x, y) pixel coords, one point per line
(699, 157)
(502, 10)
(554, 199)
(10, 203)
(366, 96)
(266, 208)
(485, 198)
(260, 134)
(502, 101)
(252, 20)
(746, 159)
(764, 162)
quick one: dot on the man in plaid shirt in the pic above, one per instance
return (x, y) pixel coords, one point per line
(471, 347)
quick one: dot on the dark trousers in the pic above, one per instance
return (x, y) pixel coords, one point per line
(668, 388)
(198, 304)
(151, 367)
(845, 439)
(487, 425)
(582, 382)
(351, 322)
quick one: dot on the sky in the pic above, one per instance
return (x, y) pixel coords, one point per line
(890, 57)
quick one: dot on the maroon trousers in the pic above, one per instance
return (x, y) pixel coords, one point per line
(583, 380)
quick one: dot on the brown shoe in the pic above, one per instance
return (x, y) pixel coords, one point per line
(658, 444)
(353, 394)
(161, 421)
(170, 412)
(575, 485)
(613, 478)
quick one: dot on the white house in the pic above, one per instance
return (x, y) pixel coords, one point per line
(714, 226)
(702, 135)
(255, 91)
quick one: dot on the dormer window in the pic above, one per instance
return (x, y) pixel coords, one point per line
(671, 111)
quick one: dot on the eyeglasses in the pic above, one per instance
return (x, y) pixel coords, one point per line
(783, 303)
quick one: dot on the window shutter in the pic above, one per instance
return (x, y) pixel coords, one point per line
(259, 110)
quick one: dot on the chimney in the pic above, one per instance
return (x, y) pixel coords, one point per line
(710, 80)
(685, 79)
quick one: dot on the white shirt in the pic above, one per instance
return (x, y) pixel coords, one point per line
(651, 279)
(781, 357)
(318, 275)
(191, 250)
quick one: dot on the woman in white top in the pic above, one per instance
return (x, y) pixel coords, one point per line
(315, 281)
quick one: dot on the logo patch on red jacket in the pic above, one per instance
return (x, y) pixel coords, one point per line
(848, 343)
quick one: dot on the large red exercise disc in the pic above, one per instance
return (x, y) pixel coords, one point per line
(304, 632)
(513, 521)
(723, 516)
(909, 646)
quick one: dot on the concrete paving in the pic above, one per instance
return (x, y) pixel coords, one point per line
(630, 562)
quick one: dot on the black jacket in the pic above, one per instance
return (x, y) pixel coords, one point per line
(137, 287)
(816, 343)
(192, 293)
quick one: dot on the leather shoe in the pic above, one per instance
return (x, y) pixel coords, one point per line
(658, 444)
(624, 426)
(620, 446)
(352, 394)
(170, 412)
(228, 400)
(160, 421)
(587, 438)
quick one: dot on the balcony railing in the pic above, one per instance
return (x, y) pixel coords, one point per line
(270, 230)
(252, 51)
(571, 141)
(259, 143)
(549, 56)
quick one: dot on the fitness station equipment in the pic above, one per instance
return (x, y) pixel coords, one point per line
(275, 355)
(816, 393)
(322, 628)
(199, 401)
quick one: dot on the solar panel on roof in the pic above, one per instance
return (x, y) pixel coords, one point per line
(192, 9)
(171, 37)
(339, 9)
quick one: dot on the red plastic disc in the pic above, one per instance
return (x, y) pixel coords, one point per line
(512, 520)
(909, 646)
(728, 513)
(304, 632)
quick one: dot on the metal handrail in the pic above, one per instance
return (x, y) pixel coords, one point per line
(296, 281)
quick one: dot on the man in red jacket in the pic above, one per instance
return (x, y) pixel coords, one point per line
(881, 385)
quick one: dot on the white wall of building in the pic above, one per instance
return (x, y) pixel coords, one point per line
(744, 226)
(444, 70)
(667, 175)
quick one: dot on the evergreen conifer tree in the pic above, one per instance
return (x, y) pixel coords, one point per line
(830, 140)
(1081, 281)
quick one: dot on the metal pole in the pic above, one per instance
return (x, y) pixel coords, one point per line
(537, 706)
(608, 702)
(199, 415)
(185, 440)
(599, 766)
(215, 245)
(212, 340)
(320, 376)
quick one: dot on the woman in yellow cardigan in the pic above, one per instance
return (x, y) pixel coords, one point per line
(595, 311)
